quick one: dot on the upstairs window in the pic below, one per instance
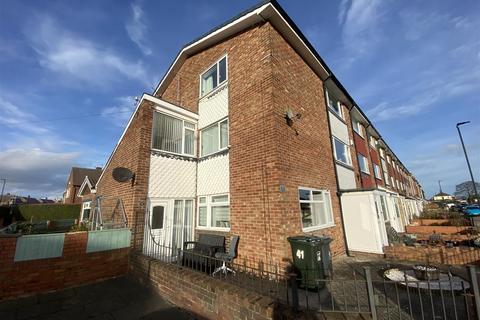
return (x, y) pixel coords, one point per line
(173, 135)
(363, 163)
(376, 170)
(214, 76)
(214, 138)
(315, 208)
(373, 142)
(334, 104)
(358, 128)
(342, 152)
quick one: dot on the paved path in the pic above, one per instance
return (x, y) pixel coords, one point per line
(115, 299)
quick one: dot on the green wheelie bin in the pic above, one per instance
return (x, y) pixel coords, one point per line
(311, 259)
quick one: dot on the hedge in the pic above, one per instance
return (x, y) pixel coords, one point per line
(38, 212)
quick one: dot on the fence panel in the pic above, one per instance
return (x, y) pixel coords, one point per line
(102, 240)
(39, 246)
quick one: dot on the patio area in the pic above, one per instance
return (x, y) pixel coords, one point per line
(116, 299)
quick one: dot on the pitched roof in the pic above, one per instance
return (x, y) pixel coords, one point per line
(265, 10)
(79, 174)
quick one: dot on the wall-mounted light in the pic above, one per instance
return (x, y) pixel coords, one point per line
(290, 117)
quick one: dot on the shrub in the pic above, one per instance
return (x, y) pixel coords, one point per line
(38, 212)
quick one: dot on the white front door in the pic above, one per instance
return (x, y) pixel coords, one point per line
(382, 219)
(157, 227)
(168, 224)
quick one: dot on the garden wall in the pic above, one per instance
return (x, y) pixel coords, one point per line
(204, 295)
(40, 263)
(434, 255)
(435, 229)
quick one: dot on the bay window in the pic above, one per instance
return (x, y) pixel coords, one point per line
(214, 212)
(363, 163)
(173, 135)
(213, 77)
(315, 208)
(214, 138)
(342, 151)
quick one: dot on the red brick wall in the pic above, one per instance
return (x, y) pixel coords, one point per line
(134, 154)
(361, 145)
(206, 296)
(74, 268)
(266, 76)
(434, 255)
(375, 158)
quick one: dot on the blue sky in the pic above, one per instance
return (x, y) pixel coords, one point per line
(69, 72)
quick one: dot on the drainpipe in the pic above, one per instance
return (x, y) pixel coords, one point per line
(339, 194)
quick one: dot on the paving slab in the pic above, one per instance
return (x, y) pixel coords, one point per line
(116, 299)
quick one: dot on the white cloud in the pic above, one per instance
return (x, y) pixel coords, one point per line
(12, 116)
(79, 59)
(137, 29)
(360, 25)
(121, 112)
(35, 172)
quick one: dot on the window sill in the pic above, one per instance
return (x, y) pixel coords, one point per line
(347, 166)
(214, 91)
(213, 229)
(358, 134)
(218, 153)
(365, 173)
(172, 154)
(311, 229)
(337, 115)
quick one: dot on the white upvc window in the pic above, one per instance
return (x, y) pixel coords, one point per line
(382, 153)
(376, 170)
(86, 208)
(214, 212)
(373, 142)
(385, 171)
(358, 128)
(389, 159)
(173, 135)
(363, 163)
(341, 151)
(393, 181)
(214, 138)
(315, 208)
(334, 104)
(215, 76)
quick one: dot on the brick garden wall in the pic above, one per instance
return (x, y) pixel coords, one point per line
(433, 255)
(75, 267)
(204, 295)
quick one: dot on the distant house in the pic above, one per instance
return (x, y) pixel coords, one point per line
(17, 200)
(75, 181)
(442, 196)
(87, 194)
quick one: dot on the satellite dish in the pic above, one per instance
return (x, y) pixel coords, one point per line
(121, 174)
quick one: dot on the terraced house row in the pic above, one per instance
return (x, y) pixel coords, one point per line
(249, 133)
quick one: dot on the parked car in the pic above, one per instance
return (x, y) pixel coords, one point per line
(472, 210)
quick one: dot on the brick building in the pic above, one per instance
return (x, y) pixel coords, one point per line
(75, 180)
(250, 133)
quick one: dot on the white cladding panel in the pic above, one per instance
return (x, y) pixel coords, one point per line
(170, 177)
(339, 129)
(213, 107)
(213, 175)
(361, 223)
(346, 178)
